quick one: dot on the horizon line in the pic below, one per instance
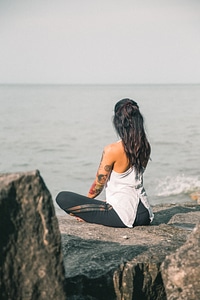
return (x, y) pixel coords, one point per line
(139, 83)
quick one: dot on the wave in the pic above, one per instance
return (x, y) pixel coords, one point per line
(177, 185)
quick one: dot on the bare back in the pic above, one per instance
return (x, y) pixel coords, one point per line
(113, 158)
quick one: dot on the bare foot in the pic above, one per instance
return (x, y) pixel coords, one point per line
(79, 219)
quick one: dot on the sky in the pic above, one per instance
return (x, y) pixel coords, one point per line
(99, 41)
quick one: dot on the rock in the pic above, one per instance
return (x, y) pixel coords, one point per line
(100, 262)
(196, 196)
(116, 263)
(181, 271)
(31, 264)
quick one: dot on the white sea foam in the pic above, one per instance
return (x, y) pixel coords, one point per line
(177, 185)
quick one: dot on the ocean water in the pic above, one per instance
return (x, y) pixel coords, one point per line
(61, 131)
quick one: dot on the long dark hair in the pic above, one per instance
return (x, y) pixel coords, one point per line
(129, 124)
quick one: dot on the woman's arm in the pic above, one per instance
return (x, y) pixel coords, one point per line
(103, 172)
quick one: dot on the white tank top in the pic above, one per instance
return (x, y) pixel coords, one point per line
(123, 192)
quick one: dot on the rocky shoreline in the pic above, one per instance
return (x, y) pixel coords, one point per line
(44, 256)
(115, 263)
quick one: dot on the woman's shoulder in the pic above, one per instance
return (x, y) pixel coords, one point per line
(113, 146)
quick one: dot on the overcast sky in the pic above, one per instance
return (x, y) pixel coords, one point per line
(99, 41)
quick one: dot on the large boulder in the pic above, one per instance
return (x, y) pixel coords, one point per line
(31, 264)
(181, 270)
(122, 263)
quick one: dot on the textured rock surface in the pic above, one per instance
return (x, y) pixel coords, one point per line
(100, 262)
(114, 263)
(31, 265)
(181, 271)
(196, 196)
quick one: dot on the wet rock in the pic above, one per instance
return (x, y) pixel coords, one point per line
(181, 271)
(31, 265)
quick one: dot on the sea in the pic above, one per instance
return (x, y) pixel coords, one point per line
(61, 131)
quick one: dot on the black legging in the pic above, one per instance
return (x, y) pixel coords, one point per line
(96, 211)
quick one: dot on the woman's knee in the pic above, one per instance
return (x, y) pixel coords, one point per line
(67, 200)
(61, 198)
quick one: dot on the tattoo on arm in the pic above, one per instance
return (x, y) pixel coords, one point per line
(95, 189)
(101, 178)
(100, 181)
(107, 168)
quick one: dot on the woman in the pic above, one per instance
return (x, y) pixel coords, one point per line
(121, 173)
